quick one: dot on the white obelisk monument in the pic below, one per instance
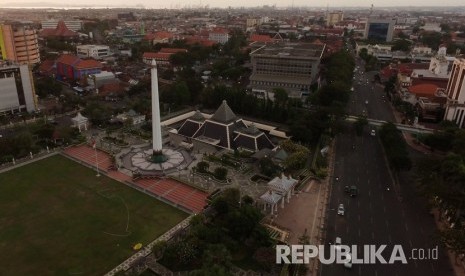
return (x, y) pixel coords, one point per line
(156, 120)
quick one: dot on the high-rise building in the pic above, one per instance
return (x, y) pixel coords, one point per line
(334, 17)
(455, 108)
(291, 66)
(380, 29)
(17, 88)
(19, 43)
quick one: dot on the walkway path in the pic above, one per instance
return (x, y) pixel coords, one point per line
(167, 189)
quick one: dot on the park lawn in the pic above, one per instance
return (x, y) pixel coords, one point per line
(58, 218)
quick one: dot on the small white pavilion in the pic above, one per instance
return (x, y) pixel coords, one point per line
(284, 186)
(80, 121)
(270, 198)
(279, 188)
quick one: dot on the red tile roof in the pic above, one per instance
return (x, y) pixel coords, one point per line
(114, 87)
(423, 90)
(219, 31)
(172, 50)
(152, 55)
(196, 39)
(89, 63)
(260, 38)
(68, 59)
(72, 60)
(47, 66)
(158, 35)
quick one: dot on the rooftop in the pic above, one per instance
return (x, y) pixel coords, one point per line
(291, 50)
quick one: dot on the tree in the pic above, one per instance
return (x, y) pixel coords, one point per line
(47, 86)
(401, 45)
(221, 173)
(202, 167)
(280, 96)
(182, 94)
(395, 147)
(268, 167)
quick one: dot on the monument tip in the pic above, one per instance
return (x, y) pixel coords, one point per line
(154, 63)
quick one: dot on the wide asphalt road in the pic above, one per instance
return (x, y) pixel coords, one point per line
(378, 215)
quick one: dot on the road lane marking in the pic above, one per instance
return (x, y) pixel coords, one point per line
(369, 193)
(359, 233)
(359, 270)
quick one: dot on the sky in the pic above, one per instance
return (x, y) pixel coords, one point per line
(244, 3)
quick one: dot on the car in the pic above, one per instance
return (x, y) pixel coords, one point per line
(340, 209)
(353, 191)
(373, 132)
(348, 261)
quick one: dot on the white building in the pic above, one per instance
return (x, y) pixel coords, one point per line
(455, 108)
(14, 97)
(219, 35)
(73, 25)
(432, 27)
(93, 51)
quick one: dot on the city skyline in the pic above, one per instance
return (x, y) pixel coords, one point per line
(175, 4)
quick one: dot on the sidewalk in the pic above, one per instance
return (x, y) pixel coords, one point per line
(409, 139)
(306, 212)
(458, 266)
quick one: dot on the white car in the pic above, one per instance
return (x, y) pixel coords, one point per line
(373, 132)
(340, 209)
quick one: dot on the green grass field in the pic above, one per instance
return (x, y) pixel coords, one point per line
(58, 218)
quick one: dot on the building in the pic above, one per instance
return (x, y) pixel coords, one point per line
(19, 43)
(223, 130)
(455, 108)
(333, 18)
(161, 57)
(219, 35)
(60, 31)
(431, 27)
(70, 67)
(17, 89)
(291, 66)
(73, 25)
(160, 37)
(93, 51)
(379, 29)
